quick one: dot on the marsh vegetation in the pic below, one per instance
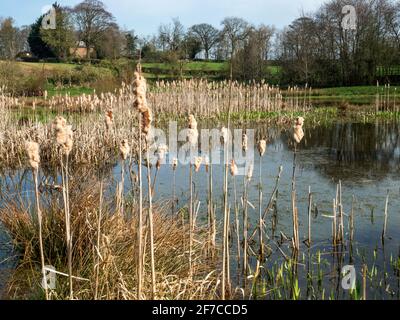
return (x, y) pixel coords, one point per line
(78, 192)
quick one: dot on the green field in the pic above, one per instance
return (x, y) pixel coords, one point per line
(59, 67)
(357, 95)
(189, 66)
(352, 91)
(206, 69)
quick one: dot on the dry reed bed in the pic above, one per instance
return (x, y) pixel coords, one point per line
(116, 278)
(200, 97)
(96, 137)
(110, 118)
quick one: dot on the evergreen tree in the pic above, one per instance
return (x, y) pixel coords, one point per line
(38, 47)
(61, 39)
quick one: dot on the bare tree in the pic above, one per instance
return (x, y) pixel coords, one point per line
(178, 34)
(191, 46)
(8, 39)
(171, 36)
(264, 36)
(317, 49)
(235, 30)
(22, 38)
(207, 35)
(250, 62)
(392, 20)
(164, 36)
(299, 42)
(92, 20)
(112, 43)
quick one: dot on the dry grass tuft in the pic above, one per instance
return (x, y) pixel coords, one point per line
(116, 254)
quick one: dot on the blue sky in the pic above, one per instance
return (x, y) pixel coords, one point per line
(146, 15)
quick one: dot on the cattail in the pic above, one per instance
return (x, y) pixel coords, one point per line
(147, 119)
(109, 119)
(249, 173)
(124, 149)
(193, 133)
(244, 142)
(233, 168)
(64, 134)
(299, 121)
(140, 101)
(161, 151)
(298, 132)
(174, 163)
(197, 163)
(262, 147)
(206, 160)
(32, 150)
(140, 88)
(192, 122)
(224, 135)
(70, 141)
(59, 123)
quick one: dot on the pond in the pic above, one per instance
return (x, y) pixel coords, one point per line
(364, 157)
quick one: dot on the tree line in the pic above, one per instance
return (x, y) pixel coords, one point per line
(314, 49)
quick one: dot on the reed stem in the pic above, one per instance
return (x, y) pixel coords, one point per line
(39, 215)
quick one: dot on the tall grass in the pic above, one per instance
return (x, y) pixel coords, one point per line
(104, 256)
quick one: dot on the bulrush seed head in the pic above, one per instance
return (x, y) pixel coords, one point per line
(59, 123)
(32, 151)
(233, 168)
(109, 119)
(193, 133)
(124, 149)
(249, 173)
(63, 134)
(140, 88)
(192, 123)
(67, 146)
(147, 119)
(197, 163)
(224, 135)
(262, 147)
(206, 160)
(174, 163)
(244, 142)
(298, 132)
(161, 151)
(299, 121)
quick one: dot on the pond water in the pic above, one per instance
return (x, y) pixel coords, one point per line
(365, 157)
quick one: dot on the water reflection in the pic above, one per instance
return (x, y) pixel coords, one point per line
(352, 152)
